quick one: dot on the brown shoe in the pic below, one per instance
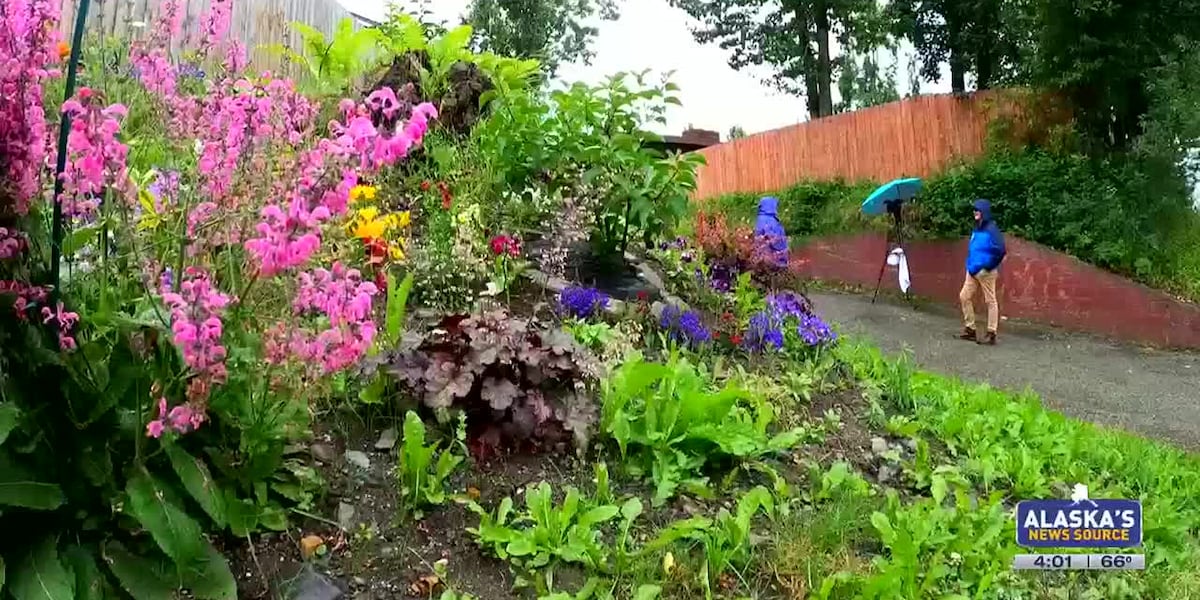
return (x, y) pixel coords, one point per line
(989, 339)
(967, 334)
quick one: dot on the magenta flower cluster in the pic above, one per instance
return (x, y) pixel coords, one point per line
(95, 158)
(28, 59)
(344, 299)
(11, 243)
(196, 330)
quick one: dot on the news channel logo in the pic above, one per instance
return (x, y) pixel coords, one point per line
(1079, 522)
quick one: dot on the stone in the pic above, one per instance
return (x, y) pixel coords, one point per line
(311, 585)
(345, 516)
(911, 445)
(323, 452)
(387, 439)
(879, 446)
(358, 459)
(359, 582)
(887, 473)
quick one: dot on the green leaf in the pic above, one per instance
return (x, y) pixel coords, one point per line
(18, 488)
(41, 576)
(647, 592)
(211, 579)
(142, 578)
(937, 488)
(397, 303)
(2, 573)
(883, 526)
(198, 481)
(89, 583)
(179, 536)
(9, 416)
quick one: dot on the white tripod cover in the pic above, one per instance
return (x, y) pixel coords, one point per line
(897, 258)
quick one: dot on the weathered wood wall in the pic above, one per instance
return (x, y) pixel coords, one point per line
(256, 23)
(911, 138)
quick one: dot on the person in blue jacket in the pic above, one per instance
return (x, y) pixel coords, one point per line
(768, 228)
(985, 252)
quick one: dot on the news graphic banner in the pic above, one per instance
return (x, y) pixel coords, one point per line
(1079, 523)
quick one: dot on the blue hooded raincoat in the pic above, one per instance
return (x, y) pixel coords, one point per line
(986, 250)
(768, 226)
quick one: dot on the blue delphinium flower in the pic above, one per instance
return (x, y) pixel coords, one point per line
(814, 331)
(789, 304)
(764, 332)
(684, 327)
(582, 302)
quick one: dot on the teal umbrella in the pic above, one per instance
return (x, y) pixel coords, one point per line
(899, 190)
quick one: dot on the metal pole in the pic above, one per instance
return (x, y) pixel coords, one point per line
(64, 130)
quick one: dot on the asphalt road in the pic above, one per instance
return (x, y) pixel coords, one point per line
(1151, 392)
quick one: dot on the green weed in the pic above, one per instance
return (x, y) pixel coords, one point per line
(423, 469)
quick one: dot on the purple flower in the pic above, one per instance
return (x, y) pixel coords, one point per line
(166, 282)
(789, 304)
(814, 331)
(164, 187)
(581, 302)
(764, 332)
(684, 327)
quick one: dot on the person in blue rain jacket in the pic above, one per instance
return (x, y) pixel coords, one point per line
(985, 252)
(768, 227)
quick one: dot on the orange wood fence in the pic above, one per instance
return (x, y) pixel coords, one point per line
(915, 137)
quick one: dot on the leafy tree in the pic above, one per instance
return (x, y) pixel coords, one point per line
(1106, 57)
(735, 132)
(977, 37)
(865, 84)
(552, 31)
(793, 37)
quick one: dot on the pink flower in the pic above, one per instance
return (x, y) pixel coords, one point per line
(196, 326)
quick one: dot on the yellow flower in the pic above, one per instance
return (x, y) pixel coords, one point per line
(362, 192)
(403, 219)
(368, 214)
(397, 253)
(366, 230)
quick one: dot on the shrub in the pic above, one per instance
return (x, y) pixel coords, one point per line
(514, 378)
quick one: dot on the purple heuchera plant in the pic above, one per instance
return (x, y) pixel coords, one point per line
(684, 326)
(582, 302)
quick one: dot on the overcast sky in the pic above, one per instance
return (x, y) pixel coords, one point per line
(652, 35)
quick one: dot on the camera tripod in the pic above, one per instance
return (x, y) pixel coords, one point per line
(895, 238)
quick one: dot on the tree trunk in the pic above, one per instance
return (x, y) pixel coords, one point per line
(824, 62)
(958, 72)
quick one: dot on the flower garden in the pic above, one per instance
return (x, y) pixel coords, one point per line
(435, 336)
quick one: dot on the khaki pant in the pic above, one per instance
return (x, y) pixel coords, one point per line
(986, 280)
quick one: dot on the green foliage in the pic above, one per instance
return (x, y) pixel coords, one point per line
(421, 478)
(724, 540)
(983, 38)
(334, 64)
(546, 535)
(669, 424)
(593, 141)
(552, 31)
(593, 336)
(507, 373)
(807, 208)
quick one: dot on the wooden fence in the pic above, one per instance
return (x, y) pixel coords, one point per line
(910, 138)
(256, 23)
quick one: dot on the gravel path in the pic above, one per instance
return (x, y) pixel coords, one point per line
(1151, 392)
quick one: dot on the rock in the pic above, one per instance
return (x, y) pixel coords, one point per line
(911, 445)
(387, 439)
(879, 446)
(359, 582)
(311, 585)
(309, 545)
(887, 473)
(323, 452)
(358, 459)
(345, 516)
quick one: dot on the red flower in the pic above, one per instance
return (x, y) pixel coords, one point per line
(736, 339)
(376, 250)
(425, 185)
(727, 316)
(643, 295)
(381, 279)
(445, 202)
(503, 244)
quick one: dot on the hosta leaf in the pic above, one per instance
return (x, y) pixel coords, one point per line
(210, 578)
(179, 536)
(40, 575)
(142, 578)
(198, 482)
(18, 488)
(9, 415)
(89, 583)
